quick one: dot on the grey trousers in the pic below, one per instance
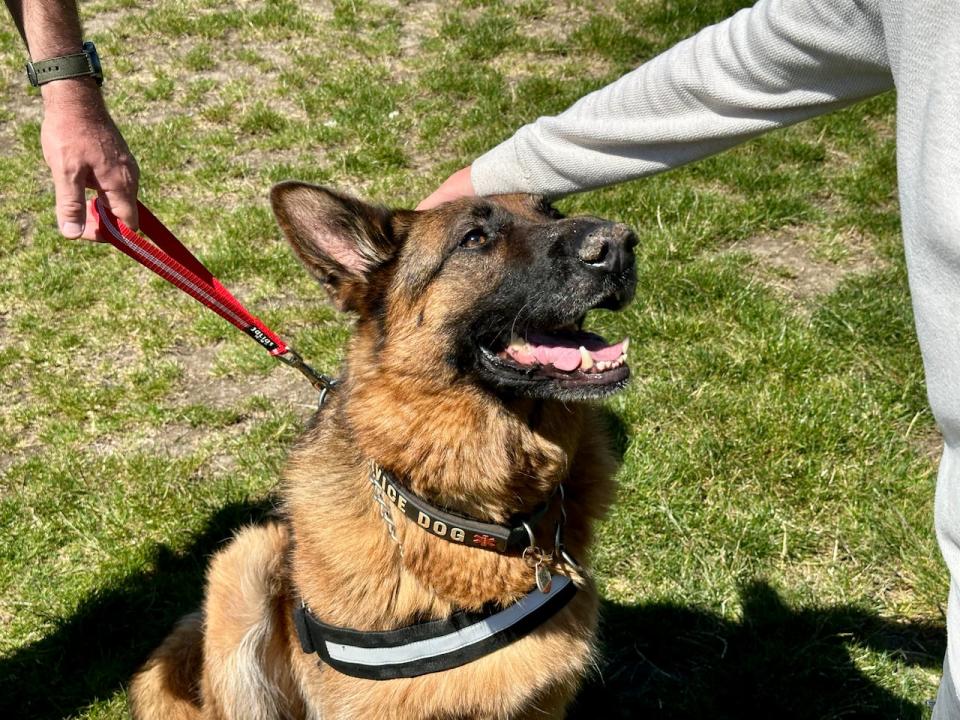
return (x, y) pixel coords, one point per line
(947, 706)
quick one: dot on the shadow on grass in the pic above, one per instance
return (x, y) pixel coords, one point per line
(93, 653)
(660, 661)
(670, 661)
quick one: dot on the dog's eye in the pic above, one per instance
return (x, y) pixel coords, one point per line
(474, 239)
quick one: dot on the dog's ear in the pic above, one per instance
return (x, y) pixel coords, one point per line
(339, 238)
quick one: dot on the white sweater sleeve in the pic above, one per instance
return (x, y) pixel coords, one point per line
(777, 63)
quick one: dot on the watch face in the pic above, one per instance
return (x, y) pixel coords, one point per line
(91, 51)
(32, 75)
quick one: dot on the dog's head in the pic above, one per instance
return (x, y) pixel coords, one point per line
(491, 291)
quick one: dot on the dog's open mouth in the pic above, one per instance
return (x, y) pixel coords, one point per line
(567, 359)
(567, 352)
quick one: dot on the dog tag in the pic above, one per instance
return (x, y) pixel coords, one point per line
(544, 579)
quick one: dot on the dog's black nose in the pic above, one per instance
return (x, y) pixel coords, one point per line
(608, 247)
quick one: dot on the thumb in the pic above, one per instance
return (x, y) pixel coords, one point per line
(71, 208)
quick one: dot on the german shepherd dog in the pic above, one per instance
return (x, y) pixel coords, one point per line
(465, 379)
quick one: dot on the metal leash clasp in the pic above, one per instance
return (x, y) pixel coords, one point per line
(323, 383)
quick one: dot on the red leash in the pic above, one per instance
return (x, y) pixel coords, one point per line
(171, 260)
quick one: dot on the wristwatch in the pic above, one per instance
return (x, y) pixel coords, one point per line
(67, 66)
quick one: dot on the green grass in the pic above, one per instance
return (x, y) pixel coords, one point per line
(771, 552)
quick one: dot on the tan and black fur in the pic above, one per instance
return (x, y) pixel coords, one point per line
(427, 289)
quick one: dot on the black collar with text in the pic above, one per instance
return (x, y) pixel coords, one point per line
(454, 528)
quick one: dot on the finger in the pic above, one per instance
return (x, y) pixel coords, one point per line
(443, 194)
(435, 198)
(123, 205)
(456, 186)
(71, 210)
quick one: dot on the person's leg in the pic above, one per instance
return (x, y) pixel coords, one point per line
(947, 522)
(923, 42)
(947, 518)
(947, 706)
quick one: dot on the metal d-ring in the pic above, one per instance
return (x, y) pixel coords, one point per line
(532, 555)
(530, 536)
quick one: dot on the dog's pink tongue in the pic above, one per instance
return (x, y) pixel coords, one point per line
(562, 358)
(566, 349)
(607, 353)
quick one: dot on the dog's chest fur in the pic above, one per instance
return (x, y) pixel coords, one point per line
(475, 458)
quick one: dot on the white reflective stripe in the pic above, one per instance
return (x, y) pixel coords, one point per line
(457, 640)
(236, 319)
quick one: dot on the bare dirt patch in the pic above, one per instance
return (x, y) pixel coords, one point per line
(795, 263)
(419, 22)
(174, 440)
(929, 441)
(24, 110)
(201, 384)
(516, 66)
(558, 21)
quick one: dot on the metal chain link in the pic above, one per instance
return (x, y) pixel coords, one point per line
(376, 477)
(560, 553)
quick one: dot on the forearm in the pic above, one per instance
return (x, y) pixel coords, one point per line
(80, 141)
(51, 28)
(48, 27)
(772, 65)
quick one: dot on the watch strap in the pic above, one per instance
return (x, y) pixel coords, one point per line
(60, 68)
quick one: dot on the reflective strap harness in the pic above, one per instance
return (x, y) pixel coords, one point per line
(170, 259)
(432, 646)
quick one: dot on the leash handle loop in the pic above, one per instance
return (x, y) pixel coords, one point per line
(170, 259)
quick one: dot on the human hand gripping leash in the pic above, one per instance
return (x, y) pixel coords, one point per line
(170, 259)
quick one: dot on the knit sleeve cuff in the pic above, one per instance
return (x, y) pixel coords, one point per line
(500, 171)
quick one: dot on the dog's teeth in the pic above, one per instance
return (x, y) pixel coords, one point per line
(586, 361)
(626, 346)
(602, 365)
(520, 346)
